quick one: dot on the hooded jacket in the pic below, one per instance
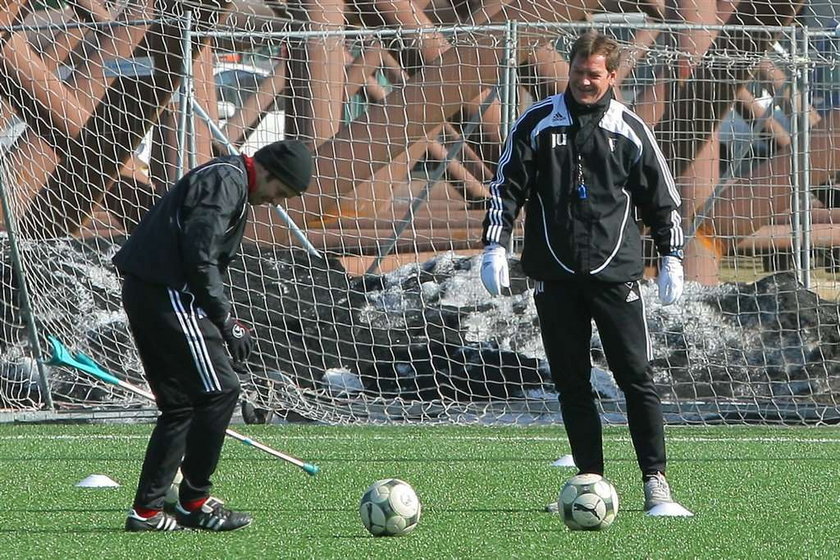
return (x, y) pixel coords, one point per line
(585, 175)
(189, 237)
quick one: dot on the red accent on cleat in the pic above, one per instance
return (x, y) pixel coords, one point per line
(146, 513)
(193, 505)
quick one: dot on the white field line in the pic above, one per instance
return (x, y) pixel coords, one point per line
(562, 439)
(80, 437)
(523, 439)
(773, 439)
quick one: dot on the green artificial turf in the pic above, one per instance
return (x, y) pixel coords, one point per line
(756, 492)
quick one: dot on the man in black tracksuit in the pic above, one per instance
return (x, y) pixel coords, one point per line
(585, 166)
(173, 266)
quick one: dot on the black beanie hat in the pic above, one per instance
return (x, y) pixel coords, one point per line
(288, 160)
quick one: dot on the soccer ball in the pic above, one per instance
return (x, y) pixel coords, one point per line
(389, 507)
(588, 502)
(172, 493)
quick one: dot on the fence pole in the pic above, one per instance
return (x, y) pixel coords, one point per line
(508, 91)
(185, 95)
(512, 70)
(796, 156)
(805, 95)
(25, 304)
(507, 85)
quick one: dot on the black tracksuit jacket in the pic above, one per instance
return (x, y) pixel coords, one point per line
(188, 239)
(591, 230)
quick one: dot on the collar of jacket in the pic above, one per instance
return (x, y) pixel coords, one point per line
(578, 109)
(252, 173)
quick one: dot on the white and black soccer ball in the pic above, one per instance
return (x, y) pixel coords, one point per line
(588, 502)
(390, 507)
(172, 493)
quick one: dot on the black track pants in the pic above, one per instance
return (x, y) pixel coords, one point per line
(566, 310)
(189, 371)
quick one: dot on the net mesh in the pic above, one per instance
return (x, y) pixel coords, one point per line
(364, 294)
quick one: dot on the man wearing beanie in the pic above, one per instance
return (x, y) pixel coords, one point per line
(184, 329)
(289, 161)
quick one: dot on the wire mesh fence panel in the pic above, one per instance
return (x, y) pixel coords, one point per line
(364, 293)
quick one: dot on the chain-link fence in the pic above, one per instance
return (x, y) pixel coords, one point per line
(364, 293)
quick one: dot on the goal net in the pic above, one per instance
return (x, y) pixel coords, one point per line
(364, 294)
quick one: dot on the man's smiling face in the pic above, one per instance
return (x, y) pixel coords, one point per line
(589, 79)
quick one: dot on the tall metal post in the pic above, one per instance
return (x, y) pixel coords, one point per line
(795, 156)
(805, 221)
(512, 82)
(507, 81)
(185, 149)
(508, 89)
(25, 304)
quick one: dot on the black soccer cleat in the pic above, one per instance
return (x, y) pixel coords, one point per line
(160, 522)
(213, 516)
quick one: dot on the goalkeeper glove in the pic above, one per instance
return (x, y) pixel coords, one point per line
(670, 279)
(238, 338)
(494, 269)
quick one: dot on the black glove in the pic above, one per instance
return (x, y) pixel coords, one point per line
(238, 338)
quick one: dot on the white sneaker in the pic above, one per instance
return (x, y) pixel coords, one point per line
(552, 507)
(657, 491)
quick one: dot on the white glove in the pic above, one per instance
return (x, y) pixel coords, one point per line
(494, 269)
(670, 279)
